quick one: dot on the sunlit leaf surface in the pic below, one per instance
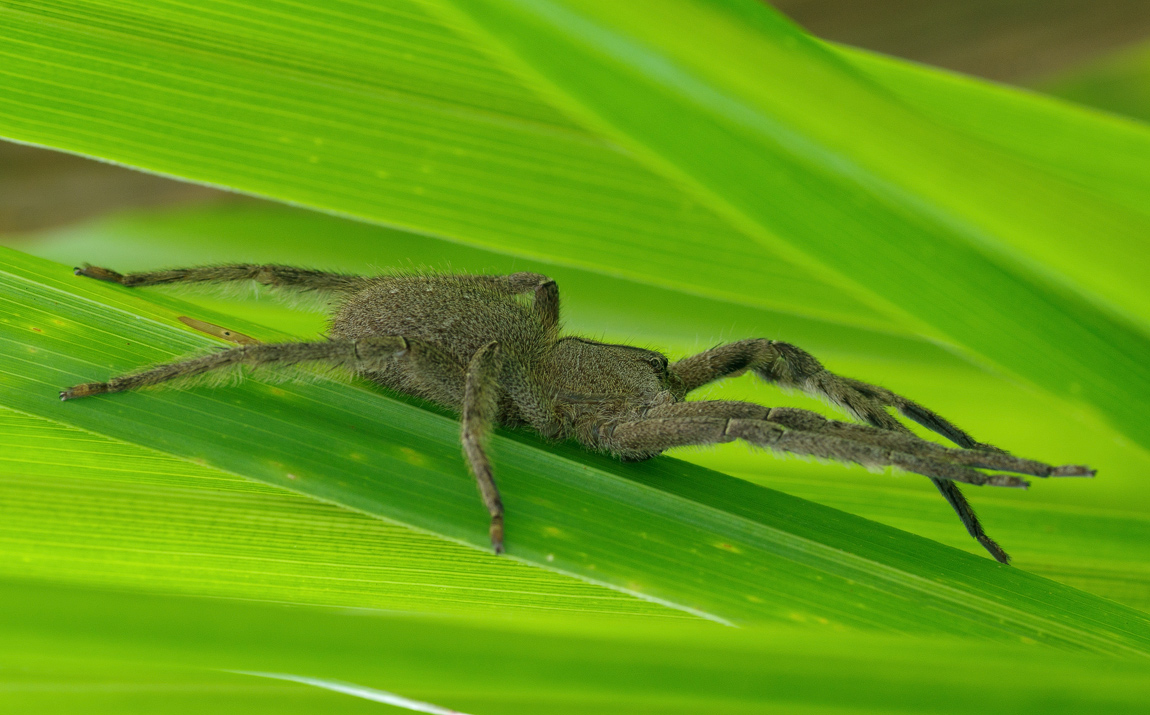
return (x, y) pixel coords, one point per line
(82, 508)
(378, 111)
(929, 223)
(1093, 535)
(665, 530)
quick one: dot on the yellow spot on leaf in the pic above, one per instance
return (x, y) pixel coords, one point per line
(412, 457)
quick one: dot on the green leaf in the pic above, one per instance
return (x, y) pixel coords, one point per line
(383, 112)
(1104, 155)
(394, 115)
(665, 530)
(84, 509)
(69, 650)
(928, 222)
(1091, 535)
(990, 221)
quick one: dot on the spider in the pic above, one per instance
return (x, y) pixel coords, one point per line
(489, 347)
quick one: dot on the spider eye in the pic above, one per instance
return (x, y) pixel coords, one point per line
(658, 362)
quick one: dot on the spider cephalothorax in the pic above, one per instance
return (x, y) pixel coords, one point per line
(489, 347)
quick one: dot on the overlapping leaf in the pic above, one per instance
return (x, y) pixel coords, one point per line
(918, 217)
(381, 112)
(81, 508)
(394, 115)
(665, 530)
(1091, 535)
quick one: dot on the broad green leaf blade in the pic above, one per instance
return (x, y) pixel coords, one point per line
(929, 222)
(1025, 340)
(664, 529)
(152, 646)
(1105, 155)
(381, 112)
(1092, 535)
(84, 509)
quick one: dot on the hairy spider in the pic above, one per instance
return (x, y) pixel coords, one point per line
(489, 347)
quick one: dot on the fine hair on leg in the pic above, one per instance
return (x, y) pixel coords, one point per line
(805, 433)
(357, 355)
(480, 404)
(275, 276)
(791, 367)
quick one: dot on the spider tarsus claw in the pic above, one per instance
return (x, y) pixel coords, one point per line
(101, 274)
(85, 390)
(1073, 470)
(995, 550)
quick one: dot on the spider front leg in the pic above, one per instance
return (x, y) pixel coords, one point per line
(794, 368)
(791, 367)
(806, 433)
(906, 443)
(655, 435)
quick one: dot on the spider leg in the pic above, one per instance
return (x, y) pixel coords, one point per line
(431, 368)
(794, 368)
(791, 367)
(480, 405)
(806, 433)
(361, 355)
(546, 305)
(545, 290)
(806, 421)
(655, 435)
(269, 275)
(797, 368)
(969, 519)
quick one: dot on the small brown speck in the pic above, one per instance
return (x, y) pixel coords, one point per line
(37, 330)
